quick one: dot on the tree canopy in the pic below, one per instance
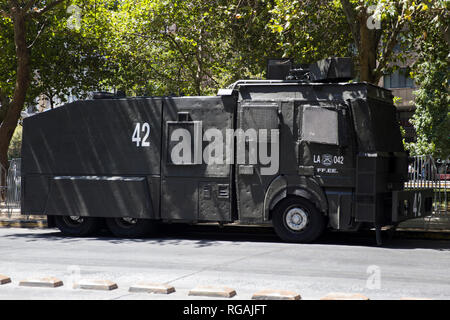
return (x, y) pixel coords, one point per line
(429, 38)
(54, 48)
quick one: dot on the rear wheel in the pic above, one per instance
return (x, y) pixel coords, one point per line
(297, 220)
(76, 226)
(131, 227)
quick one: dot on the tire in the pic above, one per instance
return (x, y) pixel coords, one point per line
(131, 227)
(76, 226)
(297, 220)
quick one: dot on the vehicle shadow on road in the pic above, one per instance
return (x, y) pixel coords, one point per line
(207, 236)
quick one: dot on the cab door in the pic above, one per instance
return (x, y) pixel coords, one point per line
(326, 148)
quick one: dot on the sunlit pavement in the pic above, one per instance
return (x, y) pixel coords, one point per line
(245, 259)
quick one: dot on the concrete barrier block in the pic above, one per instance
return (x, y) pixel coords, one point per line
(208, 291)
(96, 285)
(344, 296)
(152, 288)
(4, 279)
(276, 295)
(47, 282)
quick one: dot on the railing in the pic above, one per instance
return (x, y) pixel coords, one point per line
(423, 172)
(3, 173)
(13, 186)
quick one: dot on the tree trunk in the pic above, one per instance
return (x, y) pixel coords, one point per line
(367, 51)
(4, 105)
(12, 116)
(366, 40)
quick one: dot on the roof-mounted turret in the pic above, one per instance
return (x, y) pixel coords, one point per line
(326, 70)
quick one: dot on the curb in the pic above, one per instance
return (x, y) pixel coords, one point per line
(418, 234)
(23, 224)
(406, 233)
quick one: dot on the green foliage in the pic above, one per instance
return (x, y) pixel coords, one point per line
(397, 100)
(65, 62)
(15, 146)
(431, 72)
(162, 47)
(7, 56)
(432, 117)
(193, 48)
(62, 60)
(310, 30)
(406, 16)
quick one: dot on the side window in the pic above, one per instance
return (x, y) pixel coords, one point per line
(320, 125)
(260, 115)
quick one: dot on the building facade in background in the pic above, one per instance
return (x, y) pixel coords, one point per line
(402, 87)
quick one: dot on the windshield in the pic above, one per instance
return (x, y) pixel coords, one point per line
(376, 127)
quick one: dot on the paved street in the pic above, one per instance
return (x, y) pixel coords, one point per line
(217, 257)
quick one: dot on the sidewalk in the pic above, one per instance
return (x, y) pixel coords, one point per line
(435, 223)
(432, 227)
(13, 219)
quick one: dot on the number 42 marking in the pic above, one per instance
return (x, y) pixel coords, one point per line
(143, 128)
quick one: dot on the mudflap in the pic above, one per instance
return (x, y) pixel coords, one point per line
(411, 204)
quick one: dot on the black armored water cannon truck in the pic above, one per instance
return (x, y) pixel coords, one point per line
(303, 151)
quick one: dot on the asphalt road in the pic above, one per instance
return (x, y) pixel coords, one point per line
(246, 260)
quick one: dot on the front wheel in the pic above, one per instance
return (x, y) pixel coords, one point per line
(131, 227)
(76, 226)
(297, 220)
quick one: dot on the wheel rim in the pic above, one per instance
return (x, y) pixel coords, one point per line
(74, 221)
(127, 222)
(296, 219)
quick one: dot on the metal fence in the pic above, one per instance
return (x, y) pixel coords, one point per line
(3, 174)
(11, 190)
(425, 172)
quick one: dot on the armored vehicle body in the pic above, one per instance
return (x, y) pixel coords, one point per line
(301, 155)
